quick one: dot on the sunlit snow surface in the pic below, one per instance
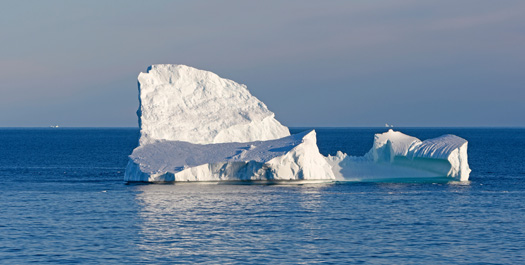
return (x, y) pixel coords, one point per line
(181, 103)
(197, 126)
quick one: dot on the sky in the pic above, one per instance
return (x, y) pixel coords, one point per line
(313, 63)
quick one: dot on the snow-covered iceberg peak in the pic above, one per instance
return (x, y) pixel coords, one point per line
(181, 103)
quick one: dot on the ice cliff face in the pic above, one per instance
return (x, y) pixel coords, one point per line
(181, 103)
(196, 126)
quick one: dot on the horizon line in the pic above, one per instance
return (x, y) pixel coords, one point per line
(298, 127)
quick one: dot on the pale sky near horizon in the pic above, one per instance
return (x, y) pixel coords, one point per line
(314, 63)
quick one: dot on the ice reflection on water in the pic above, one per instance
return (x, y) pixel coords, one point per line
(375, 222)
(195, 222)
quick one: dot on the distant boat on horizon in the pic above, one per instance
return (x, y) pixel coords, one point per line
(54, 126)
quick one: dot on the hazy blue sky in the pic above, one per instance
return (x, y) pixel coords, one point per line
(314, 63)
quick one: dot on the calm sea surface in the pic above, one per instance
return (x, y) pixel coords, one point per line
(62, 200)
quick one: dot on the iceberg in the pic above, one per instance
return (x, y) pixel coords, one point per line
(197, 126)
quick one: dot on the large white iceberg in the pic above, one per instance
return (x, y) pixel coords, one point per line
(197, 126)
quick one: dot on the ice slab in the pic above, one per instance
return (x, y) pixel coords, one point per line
(295, 157)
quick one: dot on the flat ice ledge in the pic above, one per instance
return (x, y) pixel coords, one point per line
(395, 155)
(295, 157)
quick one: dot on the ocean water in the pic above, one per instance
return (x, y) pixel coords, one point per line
(62, 200)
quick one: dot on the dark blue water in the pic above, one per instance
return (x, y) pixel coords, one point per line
(62, 200)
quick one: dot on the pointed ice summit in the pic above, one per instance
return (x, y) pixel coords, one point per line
(181, 103)
(197, 126)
